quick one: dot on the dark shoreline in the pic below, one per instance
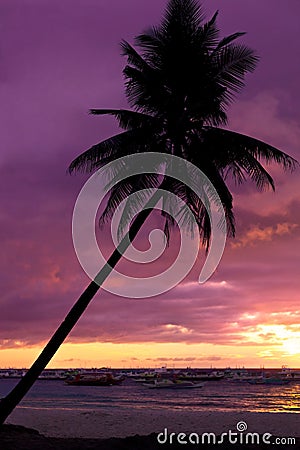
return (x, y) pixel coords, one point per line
(15, 437)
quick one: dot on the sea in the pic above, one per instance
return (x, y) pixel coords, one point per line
(213, 396)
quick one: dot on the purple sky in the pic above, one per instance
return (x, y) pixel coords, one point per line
(60, 58)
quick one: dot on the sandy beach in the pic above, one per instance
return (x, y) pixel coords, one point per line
(126, 422)
(127, 430)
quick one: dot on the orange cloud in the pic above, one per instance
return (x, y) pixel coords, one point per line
(264, 234)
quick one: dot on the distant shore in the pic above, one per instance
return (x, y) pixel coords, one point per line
(123, 422)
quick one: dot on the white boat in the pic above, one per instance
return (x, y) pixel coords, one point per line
(138, 375)
(243, 376)
(150, 374)
(51, 374)
(12, 373)
(290, 374)
(199, 376)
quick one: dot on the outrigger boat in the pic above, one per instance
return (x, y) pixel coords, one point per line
(198, 376)
(289, 374)
(106, 379)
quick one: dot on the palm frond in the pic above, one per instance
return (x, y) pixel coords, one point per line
(208, 34)
(255, 171)
(232, 62)
(232, 145)
(234, 171)
(224, 194)
(122, 144)
(183, 15)
(144, 93)
(143, 188)
(150, 43)
(134, 58)
(120, 191)
(227, 40)
(128, 119)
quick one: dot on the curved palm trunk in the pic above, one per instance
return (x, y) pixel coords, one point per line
(8, 403)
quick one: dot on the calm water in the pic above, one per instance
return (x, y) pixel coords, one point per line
(215, 396)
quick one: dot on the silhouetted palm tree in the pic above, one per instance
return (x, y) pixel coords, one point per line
(179, 86)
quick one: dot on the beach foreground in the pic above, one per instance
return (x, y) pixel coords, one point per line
(125, 429)
(123, 422)
(14, 437)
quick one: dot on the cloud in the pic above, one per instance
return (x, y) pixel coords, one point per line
(186, 359)
(256, 234)
(48, 83)
(262, 117)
